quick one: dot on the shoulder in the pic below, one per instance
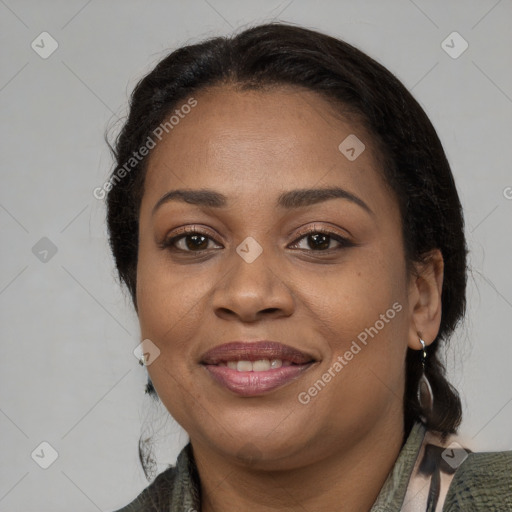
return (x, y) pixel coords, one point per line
(156, 496)
(482, 482)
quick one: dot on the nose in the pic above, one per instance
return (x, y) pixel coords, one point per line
(250, 292)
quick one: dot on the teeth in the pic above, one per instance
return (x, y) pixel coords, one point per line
(262, 365)
(244, 366)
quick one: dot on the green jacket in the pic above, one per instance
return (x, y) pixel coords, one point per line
(479, 481)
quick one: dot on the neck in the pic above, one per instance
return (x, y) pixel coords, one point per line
(348, 479)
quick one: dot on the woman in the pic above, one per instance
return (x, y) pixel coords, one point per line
(285, 219)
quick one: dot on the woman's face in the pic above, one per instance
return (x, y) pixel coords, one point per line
(249, 272)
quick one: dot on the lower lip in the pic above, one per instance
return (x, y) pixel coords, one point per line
(255, 383)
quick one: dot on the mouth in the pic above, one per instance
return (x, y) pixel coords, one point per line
(254, 368)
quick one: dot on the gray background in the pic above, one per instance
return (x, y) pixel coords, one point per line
(68, 375)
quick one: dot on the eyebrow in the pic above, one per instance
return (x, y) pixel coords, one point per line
(290, 200)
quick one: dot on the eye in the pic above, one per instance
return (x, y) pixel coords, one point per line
(320, 240)
(189, 240)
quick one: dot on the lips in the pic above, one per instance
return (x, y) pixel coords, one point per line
(254, 351)
(254, 368)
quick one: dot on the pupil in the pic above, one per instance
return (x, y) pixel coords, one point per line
(196, 244)
(321, 241)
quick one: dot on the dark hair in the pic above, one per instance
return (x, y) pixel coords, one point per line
(414, 164)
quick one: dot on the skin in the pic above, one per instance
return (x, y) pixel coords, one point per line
(271, 452)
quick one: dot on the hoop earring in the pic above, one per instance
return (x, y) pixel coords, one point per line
(424, 393)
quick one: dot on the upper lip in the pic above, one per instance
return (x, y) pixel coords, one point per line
(253, 351)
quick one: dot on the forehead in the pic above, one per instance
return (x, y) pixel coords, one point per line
(258, 143)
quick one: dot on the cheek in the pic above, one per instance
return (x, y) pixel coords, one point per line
(169, 301)
(169, 312)
(350, 298)
(362, 316)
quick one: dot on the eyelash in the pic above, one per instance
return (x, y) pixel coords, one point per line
(187, 231)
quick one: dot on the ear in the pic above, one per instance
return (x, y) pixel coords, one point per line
(425, 289)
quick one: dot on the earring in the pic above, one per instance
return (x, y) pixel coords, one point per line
(425, 395)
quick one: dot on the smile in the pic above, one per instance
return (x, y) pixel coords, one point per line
(261, 365)
(253, 368)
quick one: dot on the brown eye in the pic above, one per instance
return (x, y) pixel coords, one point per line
(194, 242)
(320, 241)
(189, 240)
(189, 243)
